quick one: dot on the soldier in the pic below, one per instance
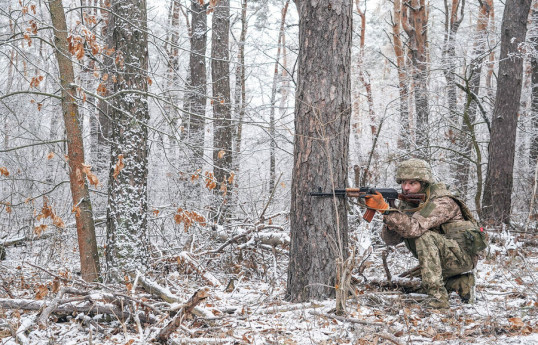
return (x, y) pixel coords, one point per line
(441, 233)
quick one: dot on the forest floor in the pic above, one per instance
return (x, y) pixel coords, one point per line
(246, 305)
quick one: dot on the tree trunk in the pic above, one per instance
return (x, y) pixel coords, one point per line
(461, 173)
(415, 23)
(172, 77)
(222, 115)
(403, 88)
(276, 75)
(89, 258)
(198, 80)
(452, 24)
(533, 38)
(499, 181)
(240, 88)
(322, 118)
(127, 191)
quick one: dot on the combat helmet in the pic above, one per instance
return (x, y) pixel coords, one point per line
(414, 169)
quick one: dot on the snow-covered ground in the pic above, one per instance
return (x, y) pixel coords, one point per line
(253, 310)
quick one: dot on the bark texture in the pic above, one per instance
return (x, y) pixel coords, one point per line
(127, 190)
(403, 84)
(197, 96)
(465, 139)
(499, 181)
(322, 120)
(220, 74)
(415, 23)
(89, 259)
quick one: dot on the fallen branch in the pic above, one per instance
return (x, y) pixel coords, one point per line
(186, 257)
(196, 299)
(291, 307)
(348, 319)
(204, 341)
(166, 295)
(413, 272)
(68, 307)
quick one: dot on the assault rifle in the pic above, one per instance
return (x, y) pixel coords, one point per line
(389, 194)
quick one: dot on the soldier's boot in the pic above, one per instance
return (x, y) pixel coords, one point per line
(463, 285)
(438, 298)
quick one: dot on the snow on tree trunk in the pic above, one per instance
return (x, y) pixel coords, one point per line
(127, 189)
(499, 181)
(322, 123)
(222, 112)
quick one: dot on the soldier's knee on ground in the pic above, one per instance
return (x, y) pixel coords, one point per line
(463, 285)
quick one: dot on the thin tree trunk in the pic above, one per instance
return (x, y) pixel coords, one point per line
(276, 75)
(322, 117)
(89, 258)
(533, 38)
(499, 181)
(461, 173)
(415, 23)
(127, 186)
(240, 88)
(172, 76)
(403, 89)
(452, 24)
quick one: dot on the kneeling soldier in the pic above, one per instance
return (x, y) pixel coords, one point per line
(441, 233)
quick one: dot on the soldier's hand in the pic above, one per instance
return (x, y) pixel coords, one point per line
(376, 202)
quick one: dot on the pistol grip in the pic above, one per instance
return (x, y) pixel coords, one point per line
(368, 215)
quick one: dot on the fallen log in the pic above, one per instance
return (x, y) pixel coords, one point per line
(196, 299)
(66, 307)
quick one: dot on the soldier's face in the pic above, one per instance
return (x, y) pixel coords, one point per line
(411, 186)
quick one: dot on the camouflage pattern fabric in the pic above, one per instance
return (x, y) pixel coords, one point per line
(414, 169)
(442, 260)
(442, 210)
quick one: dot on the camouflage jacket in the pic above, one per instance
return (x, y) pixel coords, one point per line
(439, 209)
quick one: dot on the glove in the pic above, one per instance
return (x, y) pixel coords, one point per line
(376, 202)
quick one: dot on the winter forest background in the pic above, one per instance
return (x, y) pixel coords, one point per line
(183, 174)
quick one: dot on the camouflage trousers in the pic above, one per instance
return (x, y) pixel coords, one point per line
(441, 262)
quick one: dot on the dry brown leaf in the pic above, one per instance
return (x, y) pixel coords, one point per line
(42, 292)
(4, 171)
(221, 154)
(55, 285)
(50, 155)
(38, 230)
(520, 281)
(119, 166)
(231, 178)
(516, 322)
(76, 211)
(58, 222)
(92, 178)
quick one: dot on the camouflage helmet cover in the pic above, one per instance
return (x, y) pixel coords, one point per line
(414, 169)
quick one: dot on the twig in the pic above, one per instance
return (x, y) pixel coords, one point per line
(348, 319)
(389, 338)
(384, 256)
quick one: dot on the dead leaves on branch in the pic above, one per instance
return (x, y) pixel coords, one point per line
(119, 167)
(48, 212)
(188, 218)
(4, 171)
